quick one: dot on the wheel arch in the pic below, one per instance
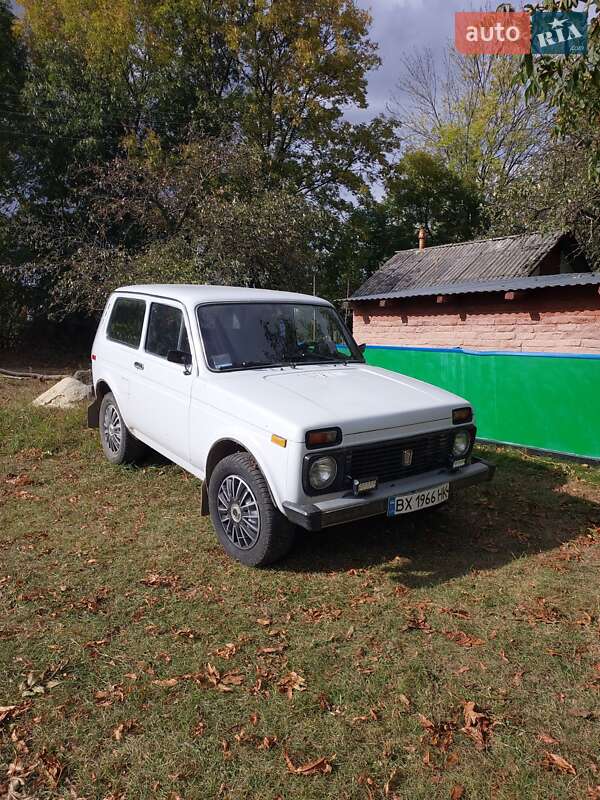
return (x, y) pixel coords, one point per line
(100, 390)
(220, 450)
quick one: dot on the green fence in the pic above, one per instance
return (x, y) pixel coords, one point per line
(544, 401)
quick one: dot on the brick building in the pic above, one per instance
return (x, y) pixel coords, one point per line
(513, 324)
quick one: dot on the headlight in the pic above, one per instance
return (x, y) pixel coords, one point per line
(322, 472)
(462, 442)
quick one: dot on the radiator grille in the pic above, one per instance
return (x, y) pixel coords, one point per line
(385, 460)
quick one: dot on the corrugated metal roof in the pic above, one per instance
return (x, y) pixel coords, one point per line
(481, 260)
(502, 285)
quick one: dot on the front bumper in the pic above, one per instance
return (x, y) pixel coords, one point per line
(347, 508)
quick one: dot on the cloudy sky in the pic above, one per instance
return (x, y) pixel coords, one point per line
(401, 26)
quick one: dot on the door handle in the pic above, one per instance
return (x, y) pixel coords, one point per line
(138, 365)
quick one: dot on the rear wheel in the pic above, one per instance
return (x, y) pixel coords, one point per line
(247, 523)
(119, 444)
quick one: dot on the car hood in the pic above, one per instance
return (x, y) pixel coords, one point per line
(355, 397)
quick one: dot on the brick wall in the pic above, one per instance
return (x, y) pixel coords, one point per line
(551, 320)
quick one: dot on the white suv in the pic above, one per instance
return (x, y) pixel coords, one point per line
(266, 398)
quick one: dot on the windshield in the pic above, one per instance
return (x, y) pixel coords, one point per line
(252, 335)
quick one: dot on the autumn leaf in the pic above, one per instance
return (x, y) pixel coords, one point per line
(320, 766)
(458, 791)
(227, 651)
(8, 713)
(290, 683)
(129, 726)
(166, 683)
(478, 726)
(154, 579)
(225, 682)
(546, 738)
(463, 639)
(556, 763)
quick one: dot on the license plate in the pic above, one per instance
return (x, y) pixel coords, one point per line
(405, 503)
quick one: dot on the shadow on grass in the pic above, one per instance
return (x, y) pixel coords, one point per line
(521, 512)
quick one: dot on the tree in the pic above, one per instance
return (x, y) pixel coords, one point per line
(570, 84)
(421, 190)
(557, 191)
(472, 113)
(278, 75)
(202, 213)
(12, 75)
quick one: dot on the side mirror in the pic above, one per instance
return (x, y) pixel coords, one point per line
(179, 357)
(362, 347)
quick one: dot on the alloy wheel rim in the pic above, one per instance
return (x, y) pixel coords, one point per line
(238, 512)
(111, 428)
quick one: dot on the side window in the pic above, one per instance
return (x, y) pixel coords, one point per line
(126, 321)
(166, 330)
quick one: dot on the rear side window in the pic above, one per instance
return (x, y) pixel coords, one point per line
(126, 321)
(166, 330)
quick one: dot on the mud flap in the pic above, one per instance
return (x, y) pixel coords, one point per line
(93, 414)
(204, 500)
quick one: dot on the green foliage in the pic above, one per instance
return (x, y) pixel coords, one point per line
(471, 112)
(278, 74)
(556, 192)
(421, 190)
(11, 80)
(570, 84)
(200, 213)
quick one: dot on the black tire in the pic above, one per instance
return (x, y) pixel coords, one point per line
(123, 448)
(274, 536)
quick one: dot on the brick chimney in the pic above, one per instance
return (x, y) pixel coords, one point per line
(422, 238)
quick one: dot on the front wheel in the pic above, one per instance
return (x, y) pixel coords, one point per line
(247, 523)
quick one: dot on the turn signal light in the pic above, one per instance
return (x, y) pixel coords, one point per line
(279, 440)
(462, 415)
(323, 438)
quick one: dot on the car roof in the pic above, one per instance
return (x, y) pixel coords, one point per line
(193, 294)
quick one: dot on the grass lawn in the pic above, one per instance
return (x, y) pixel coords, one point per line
(451, 654)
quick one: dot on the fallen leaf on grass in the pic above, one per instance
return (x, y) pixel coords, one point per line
(51, 768)
(290, 683)
(463, 639)
(441, 734)
(546, 738)
(42, 682)
(107, 697)
(268, 743)
(271, 651)
(320, 766)
(593, 793)
(372, 716)
(556, 763)
(457, 792)
(166, 683)
(478, 725)
(8, 713)
(129, 726)
(154, 579)
(227, 651)
(223, 682)
(392, 783)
